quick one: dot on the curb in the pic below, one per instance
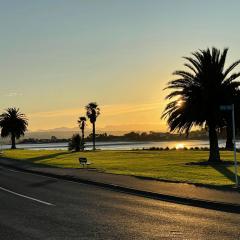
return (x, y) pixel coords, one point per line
(214, 205)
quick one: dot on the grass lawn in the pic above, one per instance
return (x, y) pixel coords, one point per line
(168, 165)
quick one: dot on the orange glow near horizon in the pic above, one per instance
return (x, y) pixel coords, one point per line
(118, 117)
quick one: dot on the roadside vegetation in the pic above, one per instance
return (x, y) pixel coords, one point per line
(75, 143)
(173, 165)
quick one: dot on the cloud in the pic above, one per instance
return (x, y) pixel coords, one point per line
(145, 116)
(106, 110)
(13, 94)
(161, 126)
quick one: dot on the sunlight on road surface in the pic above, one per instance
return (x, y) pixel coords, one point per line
(180, 146)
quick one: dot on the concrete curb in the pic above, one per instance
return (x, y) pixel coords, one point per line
(214, 205)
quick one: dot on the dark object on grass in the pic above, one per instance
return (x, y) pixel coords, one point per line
(75, 143)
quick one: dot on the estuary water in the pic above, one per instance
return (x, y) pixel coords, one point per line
(122, 145)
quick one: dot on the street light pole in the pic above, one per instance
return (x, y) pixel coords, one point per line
(234, 144)
(228, 108)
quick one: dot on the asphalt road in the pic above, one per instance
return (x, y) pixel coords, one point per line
(38, 207)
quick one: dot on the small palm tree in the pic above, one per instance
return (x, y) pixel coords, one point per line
(82, 124)
(92, 112)
(13, 123)
(199, 93)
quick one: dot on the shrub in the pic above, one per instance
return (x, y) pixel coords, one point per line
(75, 143)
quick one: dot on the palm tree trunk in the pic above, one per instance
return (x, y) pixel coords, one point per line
(13, 140)
(214, 155)
(82, 145)
(83, 134)
(94, 136)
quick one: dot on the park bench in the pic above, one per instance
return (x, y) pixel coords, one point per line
(84, 162)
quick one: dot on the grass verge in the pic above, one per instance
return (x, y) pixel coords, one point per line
(162, 165)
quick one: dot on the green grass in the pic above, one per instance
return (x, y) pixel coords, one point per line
(167, 165)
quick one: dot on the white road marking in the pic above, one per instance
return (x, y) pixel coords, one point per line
(43, 176)
(29, 173)
(24, 196)
(11, 170)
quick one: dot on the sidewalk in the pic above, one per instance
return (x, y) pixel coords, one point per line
(138, 185)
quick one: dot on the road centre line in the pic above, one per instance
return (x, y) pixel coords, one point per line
(27, 173)
(11, 170)
(27, 197)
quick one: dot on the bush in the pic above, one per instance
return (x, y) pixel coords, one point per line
(75, 143)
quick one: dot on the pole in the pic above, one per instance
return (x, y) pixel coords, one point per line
(234, 143)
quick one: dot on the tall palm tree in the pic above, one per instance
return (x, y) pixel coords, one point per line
(92, 112)
(197, 95)
(82, 124)
(13, 123)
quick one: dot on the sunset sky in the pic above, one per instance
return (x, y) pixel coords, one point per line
(56, 56)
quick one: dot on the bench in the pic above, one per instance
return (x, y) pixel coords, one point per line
(84, 162)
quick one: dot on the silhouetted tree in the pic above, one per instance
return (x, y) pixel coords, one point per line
(82, 124)
(199, 93)
(14, 124)
(75, 143)
(92, 112)
(54, 139)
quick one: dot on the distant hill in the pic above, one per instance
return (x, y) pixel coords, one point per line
(64, 132)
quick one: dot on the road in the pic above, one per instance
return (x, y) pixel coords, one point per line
(38, 207)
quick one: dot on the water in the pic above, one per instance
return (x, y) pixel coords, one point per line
(122, 145)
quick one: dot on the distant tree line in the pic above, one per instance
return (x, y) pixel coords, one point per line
(53, 139)
(131, 136)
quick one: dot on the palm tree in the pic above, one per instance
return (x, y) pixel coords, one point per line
(14, 124)
(92, 112)
(82, 124)
(198, 94)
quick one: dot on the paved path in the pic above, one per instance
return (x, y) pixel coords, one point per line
(39, 207)
(175, 189)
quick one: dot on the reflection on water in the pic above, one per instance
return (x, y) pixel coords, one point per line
(123, 145)
(180, 146)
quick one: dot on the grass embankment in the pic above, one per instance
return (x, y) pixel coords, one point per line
(168, 165)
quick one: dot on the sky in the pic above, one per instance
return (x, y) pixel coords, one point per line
(58, 55)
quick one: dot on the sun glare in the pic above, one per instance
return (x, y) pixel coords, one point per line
(179, 103)
(180, 146)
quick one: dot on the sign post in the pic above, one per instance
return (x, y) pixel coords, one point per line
(227, 108)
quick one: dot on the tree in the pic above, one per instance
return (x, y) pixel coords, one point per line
(196, 95)
(54, 139)
(92, 112)
(75, 143)
(13, 123)
(82, 125)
